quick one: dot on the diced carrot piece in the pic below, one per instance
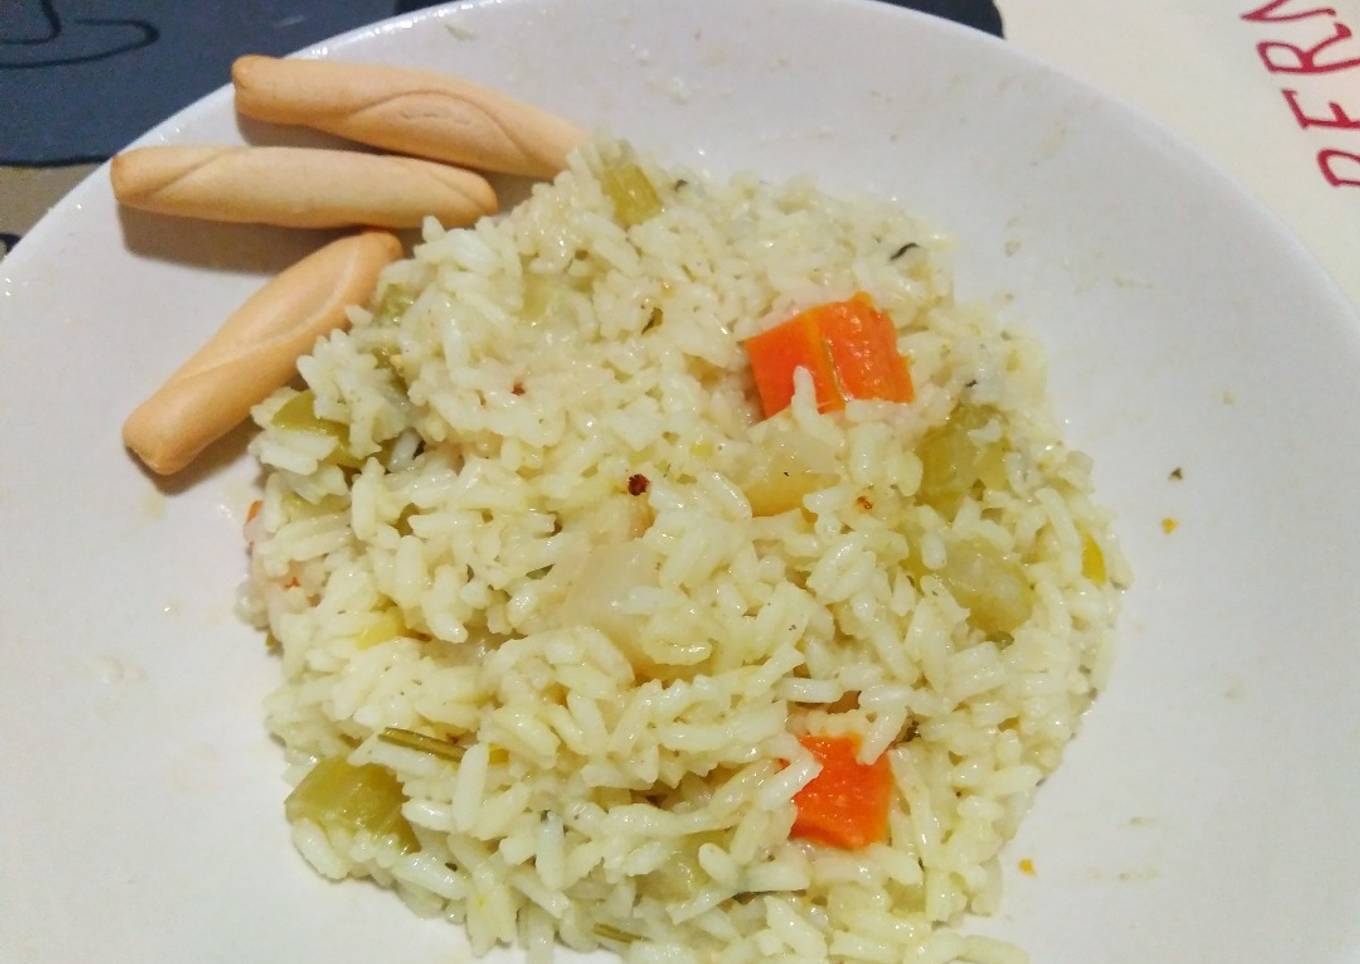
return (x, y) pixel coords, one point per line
(863, 346)
(846, 805)
(777, 353)
(849, 347)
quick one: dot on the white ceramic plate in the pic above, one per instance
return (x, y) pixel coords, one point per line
(1207, 812)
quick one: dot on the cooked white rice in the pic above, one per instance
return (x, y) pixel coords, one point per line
(619, 679)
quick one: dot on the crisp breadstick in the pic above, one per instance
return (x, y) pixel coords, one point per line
(411, 111)
(298, 187)
(255, 351)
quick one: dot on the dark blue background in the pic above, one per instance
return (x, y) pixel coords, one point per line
(79, 79)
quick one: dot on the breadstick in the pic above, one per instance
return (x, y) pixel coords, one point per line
(298, 187)
(255, 351)
(411, 111)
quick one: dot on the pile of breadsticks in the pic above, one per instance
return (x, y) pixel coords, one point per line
(443, 121)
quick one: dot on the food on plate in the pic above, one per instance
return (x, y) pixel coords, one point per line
(256, 350)
(672, 565)
(410, 111)
(298, 187)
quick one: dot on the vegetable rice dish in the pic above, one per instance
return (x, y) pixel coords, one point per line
(672, 566)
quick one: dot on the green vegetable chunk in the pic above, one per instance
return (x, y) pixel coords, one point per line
(635, 200)
(394, 303)
(336, 795)
(299, 413)
(951, 462)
